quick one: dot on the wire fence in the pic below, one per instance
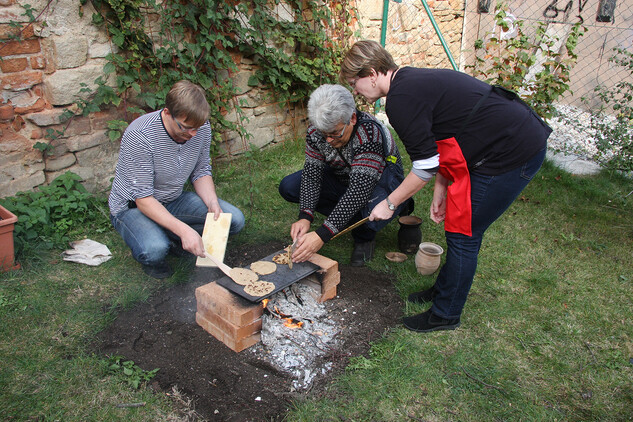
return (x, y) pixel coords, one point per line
(410, 35)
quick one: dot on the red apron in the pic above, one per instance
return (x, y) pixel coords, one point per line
(458, 206)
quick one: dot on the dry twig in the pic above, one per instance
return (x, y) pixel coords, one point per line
(481, 382)
(122, 405)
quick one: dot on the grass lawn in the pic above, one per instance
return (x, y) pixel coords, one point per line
(547, 332)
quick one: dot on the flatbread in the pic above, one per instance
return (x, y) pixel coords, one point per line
(281, 258)
(243, 276)
(259, 288)
(264, 267)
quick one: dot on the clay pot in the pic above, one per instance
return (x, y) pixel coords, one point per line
(428, 257)
(7, 222)
(409, 234)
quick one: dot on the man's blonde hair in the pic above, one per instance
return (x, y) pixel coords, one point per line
(363, 57)
(187, 101)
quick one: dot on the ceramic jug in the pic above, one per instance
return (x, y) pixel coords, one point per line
(428, 257)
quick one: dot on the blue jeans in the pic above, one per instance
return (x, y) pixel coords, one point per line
(331, 192)
(150, 242)
(490, 196)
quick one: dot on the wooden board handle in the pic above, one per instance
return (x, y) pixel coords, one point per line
(222, 266)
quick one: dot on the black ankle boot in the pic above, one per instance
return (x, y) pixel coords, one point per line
(363, 252)
(427, 322)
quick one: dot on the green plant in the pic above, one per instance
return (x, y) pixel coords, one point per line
(200, 41)
(531, 66)
(131, 373)
(48, 216)
(612, 123)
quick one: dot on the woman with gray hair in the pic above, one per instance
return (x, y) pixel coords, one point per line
(351, 164)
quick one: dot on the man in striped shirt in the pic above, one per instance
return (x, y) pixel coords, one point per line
(160, 151)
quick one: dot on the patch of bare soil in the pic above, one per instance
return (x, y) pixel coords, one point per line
(228, 386)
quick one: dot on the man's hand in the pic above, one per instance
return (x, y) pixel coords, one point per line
(192, 242)
(299, 228)
(215, 208)
(307, 246)
(380, 212)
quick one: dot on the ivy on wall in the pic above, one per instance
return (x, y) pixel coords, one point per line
(296, 44)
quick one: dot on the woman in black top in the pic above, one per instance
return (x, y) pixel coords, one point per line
(482, 144)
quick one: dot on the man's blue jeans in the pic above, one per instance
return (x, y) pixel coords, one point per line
(331, 192)
(490, 196)
(150, 242)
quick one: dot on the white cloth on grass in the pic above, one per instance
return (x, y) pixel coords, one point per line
(87, 252)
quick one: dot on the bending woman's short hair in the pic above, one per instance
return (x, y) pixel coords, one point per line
(364, 56)
(330, 105)
(187, 100)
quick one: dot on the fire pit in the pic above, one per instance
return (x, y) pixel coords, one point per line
(296, 332)
(237, 322)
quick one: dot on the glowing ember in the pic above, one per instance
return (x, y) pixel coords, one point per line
(293, 323)
(265, 302)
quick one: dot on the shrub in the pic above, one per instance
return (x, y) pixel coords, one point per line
(48, 216)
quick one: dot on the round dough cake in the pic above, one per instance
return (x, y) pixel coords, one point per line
(259, 288)
(264, 267)
(243, 276)
(281, 258)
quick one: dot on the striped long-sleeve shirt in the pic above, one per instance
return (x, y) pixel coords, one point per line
(358, 165)
(151, 163)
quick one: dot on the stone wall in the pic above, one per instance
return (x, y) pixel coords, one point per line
(41, 76)
(410, 36)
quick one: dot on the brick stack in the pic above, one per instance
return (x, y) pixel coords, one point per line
(237, 322)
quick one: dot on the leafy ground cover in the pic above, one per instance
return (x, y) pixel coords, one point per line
(546, 335)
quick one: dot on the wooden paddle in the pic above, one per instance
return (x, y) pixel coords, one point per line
(352, 227)
(221, 265)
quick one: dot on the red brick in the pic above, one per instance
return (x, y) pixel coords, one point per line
(236, 310)
(330, 280)
(38, 62)
(8, 32)
(18, 123)
(6, 112)
(325, 263)
(328, 294)
(13, 65)
(100, 119)
(234, 331)
(11, 48)
(39, 105)
(21, 80)
(237, 345)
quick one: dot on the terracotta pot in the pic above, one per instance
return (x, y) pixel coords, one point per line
(7, 222)
(428, 257)
(409, 234)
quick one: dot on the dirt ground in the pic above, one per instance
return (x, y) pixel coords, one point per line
(224, 385)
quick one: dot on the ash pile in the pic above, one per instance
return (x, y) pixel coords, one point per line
(296, 333)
